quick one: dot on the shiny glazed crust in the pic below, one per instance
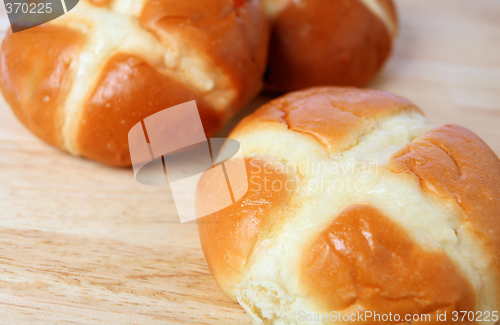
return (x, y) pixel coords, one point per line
(378, 211)
(81, 81)
(320, 43)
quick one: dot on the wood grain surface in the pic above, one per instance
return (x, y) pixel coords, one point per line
(82, 243)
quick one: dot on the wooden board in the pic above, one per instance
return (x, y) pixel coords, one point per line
(82, 243)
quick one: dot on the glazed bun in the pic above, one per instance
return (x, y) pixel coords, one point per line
(357, 203)
(334, 42)
(81, 81)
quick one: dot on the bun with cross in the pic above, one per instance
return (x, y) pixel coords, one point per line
(81, 81)
(357, 203)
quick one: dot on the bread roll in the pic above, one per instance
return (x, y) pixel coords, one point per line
(334, 42)
(357, 203)
(81, 81)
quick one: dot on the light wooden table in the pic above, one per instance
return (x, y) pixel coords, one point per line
(82, 243)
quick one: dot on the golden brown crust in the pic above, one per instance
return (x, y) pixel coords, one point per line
(234, 38)
(35, 67)
(316, 43)
(452, 162)
(229, 236)
(100, 3)
(223, 39)
(129, 90)
(364, 260)
(334, 116)
(403, 257)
